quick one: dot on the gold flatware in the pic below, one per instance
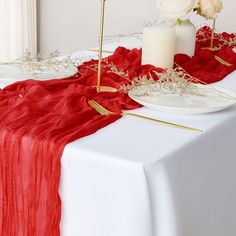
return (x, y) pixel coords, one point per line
(103, 111)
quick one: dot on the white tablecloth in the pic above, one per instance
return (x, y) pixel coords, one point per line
(138, 178)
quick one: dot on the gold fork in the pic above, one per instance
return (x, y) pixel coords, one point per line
(103, 111)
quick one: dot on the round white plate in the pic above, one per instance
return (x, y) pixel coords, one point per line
(186, 104)
(13, 73)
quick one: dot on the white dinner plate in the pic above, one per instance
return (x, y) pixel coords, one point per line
(186, 104)
(14, 73)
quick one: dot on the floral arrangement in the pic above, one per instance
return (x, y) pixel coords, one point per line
(182, 9)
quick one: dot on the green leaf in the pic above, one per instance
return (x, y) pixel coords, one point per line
(179, 22)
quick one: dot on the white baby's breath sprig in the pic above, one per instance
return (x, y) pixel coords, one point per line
(205, 35)
(169, 82)
(35, 65)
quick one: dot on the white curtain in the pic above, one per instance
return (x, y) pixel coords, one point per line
(18, 28)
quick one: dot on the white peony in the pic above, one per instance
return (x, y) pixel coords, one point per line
(177, 9)
(210, 8)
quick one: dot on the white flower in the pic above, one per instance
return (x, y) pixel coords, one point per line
(210, 8)
(177, 9)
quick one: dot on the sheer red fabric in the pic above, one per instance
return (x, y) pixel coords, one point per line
(38, 118)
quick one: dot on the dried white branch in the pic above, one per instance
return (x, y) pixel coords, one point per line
(53, 63)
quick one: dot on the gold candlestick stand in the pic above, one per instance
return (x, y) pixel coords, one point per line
(213, 34)
(100, 51)
(100, 44)
(220, 60)
(213, 48)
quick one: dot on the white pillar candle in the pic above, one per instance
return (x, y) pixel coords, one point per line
(186, 38)
(158, 46)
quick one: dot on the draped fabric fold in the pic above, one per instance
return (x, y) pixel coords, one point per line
(38, 118)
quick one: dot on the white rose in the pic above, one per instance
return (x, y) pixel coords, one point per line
(177, 9)
(210, 8)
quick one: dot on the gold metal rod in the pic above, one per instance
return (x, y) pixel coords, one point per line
(100, 44)
(213, 34)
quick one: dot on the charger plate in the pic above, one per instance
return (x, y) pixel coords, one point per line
(13, 73)
(213, 100)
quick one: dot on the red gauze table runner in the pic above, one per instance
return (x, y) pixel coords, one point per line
(38, 118)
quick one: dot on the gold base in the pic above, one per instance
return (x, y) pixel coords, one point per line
(107, 89)
(104, 51)
(211, 49)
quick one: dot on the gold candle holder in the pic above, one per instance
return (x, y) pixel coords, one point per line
(101, 44)
(100, 52)
(213, 34)
(212, 48)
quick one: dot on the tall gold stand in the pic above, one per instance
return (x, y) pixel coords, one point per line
(212, 34)
(100, 44)
(212, 47)
(100, 51)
